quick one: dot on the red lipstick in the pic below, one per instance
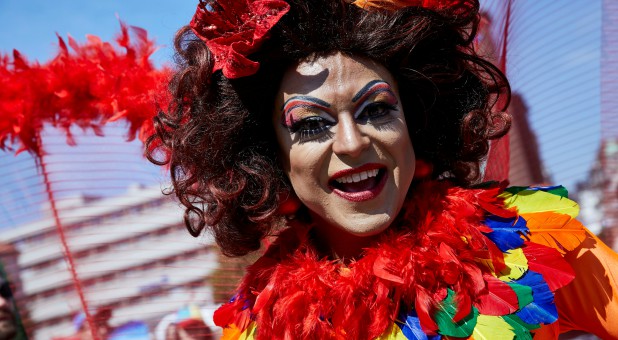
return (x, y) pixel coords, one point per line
(359, 190)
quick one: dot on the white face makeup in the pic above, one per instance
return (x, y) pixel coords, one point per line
(345, 144)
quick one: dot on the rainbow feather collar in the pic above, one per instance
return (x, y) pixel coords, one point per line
(458, 263)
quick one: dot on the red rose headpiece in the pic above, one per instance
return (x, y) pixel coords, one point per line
(233, 29)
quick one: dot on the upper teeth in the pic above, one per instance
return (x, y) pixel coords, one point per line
(357, 177)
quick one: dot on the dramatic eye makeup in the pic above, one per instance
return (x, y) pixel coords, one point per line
(292, 106)
(301, 114)
(379, 90)
(312, 117)
(374, 102)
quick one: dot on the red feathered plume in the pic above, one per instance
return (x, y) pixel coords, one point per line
(87, 85)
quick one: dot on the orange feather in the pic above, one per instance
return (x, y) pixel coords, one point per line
(558, 231)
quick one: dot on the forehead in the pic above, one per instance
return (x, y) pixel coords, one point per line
(332, 76)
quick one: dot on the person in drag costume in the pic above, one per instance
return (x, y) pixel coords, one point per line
(348, 138)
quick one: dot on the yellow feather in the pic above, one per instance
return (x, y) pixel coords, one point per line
(249, 333)
(516, 265)
(392, 333)
(491, 328)
(530, 201)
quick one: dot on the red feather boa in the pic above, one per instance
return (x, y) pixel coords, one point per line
(87, 87)
(436, 243)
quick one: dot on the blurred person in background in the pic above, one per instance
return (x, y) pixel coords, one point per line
(191, 329)
(100, 319)
(186, 324)
(10, 322)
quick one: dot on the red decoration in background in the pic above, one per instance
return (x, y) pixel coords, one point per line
(87, 85)
(392, 5)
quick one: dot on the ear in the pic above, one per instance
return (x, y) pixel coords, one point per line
(423, 169)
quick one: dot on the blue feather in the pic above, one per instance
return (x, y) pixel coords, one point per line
(411, 327)
(542, 309)
(506, 232)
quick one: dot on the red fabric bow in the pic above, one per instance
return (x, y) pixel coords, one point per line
(234, 29)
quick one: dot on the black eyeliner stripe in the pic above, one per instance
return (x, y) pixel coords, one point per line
(307, 106)
(366, 88)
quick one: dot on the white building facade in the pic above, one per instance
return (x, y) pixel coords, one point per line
(131, 254)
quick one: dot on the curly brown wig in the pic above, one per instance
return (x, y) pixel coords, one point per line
(217, 136)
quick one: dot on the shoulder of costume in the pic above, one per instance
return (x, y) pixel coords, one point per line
(549, 215)
(532, 227)
(496, 277)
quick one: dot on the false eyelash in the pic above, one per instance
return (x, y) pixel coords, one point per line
(306, 133)
(320, 136)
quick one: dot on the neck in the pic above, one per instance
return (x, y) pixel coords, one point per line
(339, 244)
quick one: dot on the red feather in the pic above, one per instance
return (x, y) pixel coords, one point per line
(497, 256)
(498, 299)
(474, 278)
(548, 262)
(225, 315)
(423, 305)
(490, 202)
(464, 306)
(265, 295)
(383, 268)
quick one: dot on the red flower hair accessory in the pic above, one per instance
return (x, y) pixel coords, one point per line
(234, 29)
(392, 5)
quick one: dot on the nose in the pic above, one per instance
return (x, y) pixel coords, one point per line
(349, 139)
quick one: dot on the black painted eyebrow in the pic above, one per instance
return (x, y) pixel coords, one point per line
(366, 88)
(306, 98)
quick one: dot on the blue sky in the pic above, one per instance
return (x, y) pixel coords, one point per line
(553, 63)
(31, 26)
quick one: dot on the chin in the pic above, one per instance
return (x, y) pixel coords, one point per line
(366, 226)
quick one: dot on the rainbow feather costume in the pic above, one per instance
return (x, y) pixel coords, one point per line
(457, 264)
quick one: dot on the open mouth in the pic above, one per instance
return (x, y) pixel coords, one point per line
(359, 184)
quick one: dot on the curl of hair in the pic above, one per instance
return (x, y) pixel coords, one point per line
(217, 136)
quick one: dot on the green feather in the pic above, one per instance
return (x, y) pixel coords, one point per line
(513, 319)
(558, 191)
(524, 294)
(516, 190)
(444, 318)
